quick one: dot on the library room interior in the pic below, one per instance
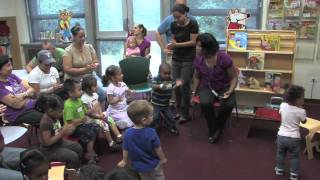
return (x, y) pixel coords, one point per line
(159, 89)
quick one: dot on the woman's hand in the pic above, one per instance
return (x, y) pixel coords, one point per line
(227, 94)
(171, 45)
(167, 51)
(3, 108)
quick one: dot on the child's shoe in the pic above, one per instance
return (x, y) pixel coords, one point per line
(279, 172)
(294, 176)
(114, 147)
(174, 131)
(119, 139)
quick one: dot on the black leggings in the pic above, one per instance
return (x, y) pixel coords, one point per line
(215, 118)
(31, 117)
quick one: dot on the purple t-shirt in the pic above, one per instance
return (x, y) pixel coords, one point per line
(14, 86)
(143, 46)
(218, 76)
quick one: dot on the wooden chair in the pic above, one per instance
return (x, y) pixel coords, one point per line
(313, 126)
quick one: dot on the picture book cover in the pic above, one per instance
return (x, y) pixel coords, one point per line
(292, 8)
(270, 42)
(268, 80)
(275, 24)
(238, 40)
(255, 60)
(275, 9)
(311, 9)
(308, 29)
(276, 82)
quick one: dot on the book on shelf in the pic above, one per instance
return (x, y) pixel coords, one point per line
(272, 82)
(268, 79)
(275, 9)
(292, 8)
(310, 9)
(255, 60)
(270, 42)
(238, 40)
(292, 25)
(308, 29)
(275, 24)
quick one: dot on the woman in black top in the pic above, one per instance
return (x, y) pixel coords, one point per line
(184, 34)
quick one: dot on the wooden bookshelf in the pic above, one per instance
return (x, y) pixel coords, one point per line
(279, 62)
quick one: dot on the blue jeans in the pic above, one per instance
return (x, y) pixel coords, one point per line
(10, 157)
(291, 145)
(102, 96)
(168, 116)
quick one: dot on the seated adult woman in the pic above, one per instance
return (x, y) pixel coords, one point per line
(17, 96)
(80, 59)
(215, 78)
(44, 78)
(140, 32)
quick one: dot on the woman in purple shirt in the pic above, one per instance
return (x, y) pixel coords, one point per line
(140, 32)
(214, 80)
(17, 96)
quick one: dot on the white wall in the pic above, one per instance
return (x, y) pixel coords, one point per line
(305, 67)
(17, 8)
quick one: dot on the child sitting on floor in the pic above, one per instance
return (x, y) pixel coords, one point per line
(33, 165)
(132, 47)
(93, 109)
(74, 113)
(116, 92)
(51, 136)
(162, 87)
(289, 138)
(141, 144)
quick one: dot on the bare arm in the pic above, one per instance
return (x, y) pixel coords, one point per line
(147, 52)
(124, 160)
(13, 101)
(234, 78)
(195, 81)
(30, 66)
(77, 122)
(92, 112)
(160, 41)
(48, 139)
(190, 43)
(161, 155)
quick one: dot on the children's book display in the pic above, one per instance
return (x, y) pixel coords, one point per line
(270, 42)
(255, 60)
(301, 16)
(238, 40)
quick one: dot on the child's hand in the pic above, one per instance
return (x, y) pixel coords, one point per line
(122, 164)
(179, 82)
(68, 129)
(163, 161)
(102, 116)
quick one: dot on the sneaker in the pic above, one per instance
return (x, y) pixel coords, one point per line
(115, 147)
(294, 176)
(183, 120)
(174, 131)
(279, 172)
(210, 140)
